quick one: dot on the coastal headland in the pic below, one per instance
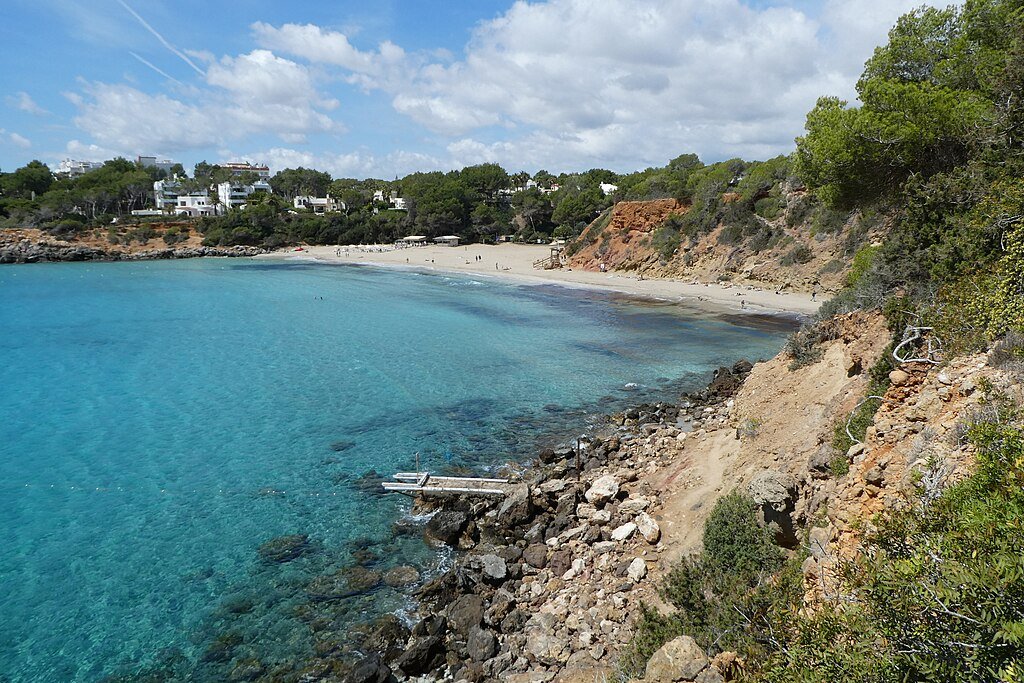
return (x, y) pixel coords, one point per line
(515, 262)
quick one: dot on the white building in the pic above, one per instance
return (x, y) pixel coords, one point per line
(165, 194)
(73, 168)
(393, 202)
(240, 167)
(235, 195)
(608, 188)
(326, 204)
(447, 240)
(195, 204)
(164, 165)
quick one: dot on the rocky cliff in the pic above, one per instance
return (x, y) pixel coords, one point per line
(803, 248)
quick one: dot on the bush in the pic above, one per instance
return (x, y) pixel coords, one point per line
(769, 208)
(938, 593)
(801, 253)
(723, 596)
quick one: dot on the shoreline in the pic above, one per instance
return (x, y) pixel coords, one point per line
(514, 262)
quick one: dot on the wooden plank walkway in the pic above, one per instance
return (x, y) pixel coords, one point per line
(414, 483)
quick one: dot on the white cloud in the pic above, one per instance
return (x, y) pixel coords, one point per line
(252, 94)
(623, 84)
(20, 141)
(23, 101)
(356, 164)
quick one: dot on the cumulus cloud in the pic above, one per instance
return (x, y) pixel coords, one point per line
(572, 82)
(23, 101)
(251, 94)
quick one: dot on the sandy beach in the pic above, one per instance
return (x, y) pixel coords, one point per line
(515, 261)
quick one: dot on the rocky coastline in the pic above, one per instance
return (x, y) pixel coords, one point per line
(30, 251)
(549, 581)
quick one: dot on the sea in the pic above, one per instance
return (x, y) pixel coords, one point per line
(160, 420)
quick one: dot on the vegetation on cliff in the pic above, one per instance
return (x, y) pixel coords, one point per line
(937, 591)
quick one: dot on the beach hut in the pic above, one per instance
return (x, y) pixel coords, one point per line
(412, 241)
(447, 240)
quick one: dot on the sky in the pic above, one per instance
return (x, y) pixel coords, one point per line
(384, 88)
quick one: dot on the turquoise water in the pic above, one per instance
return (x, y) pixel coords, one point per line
(160, 420)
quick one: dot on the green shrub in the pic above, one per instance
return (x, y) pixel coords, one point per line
(801, 253)
(724, 596)
(769, 208)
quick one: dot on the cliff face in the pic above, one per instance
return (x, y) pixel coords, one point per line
(622, 239)
(774, 438)
(803, 248)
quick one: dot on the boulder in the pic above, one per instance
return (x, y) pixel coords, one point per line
(516, 508)
(775, 494)
(637, 570)
(633, 506)
(536, 555)
(481, 644)
(466, 612)
(680, 659)
(493, 567)
(560, 561)
(400, 576)
(624, 532)
(446, 526)
(424, 654)
(648, 528)
(342, 584)
(541, 641)
(899, 377)
(370, 670)
(602, 490)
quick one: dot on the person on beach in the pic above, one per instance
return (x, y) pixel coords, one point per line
(814, 294)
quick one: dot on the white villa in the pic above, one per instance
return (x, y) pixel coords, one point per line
(326, 204)
(608, 188)
(195, 204)
(234, 195)
(397, 203)
(73, 168)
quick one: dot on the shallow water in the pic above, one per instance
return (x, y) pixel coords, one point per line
(162, 419)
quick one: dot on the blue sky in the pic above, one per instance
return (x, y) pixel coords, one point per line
(385, 88)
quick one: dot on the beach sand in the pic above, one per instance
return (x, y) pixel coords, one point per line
(515, 261)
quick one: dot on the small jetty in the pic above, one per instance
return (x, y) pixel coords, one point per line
(425, 483)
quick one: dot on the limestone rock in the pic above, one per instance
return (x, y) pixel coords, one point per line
(775, 493)
(493, 567)
(648, 528)
(677, 660)
(602, 490)
(624, 532)
(632, 506)
(899, 377)
(517, 507)
(637, 570)
(541, 641)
